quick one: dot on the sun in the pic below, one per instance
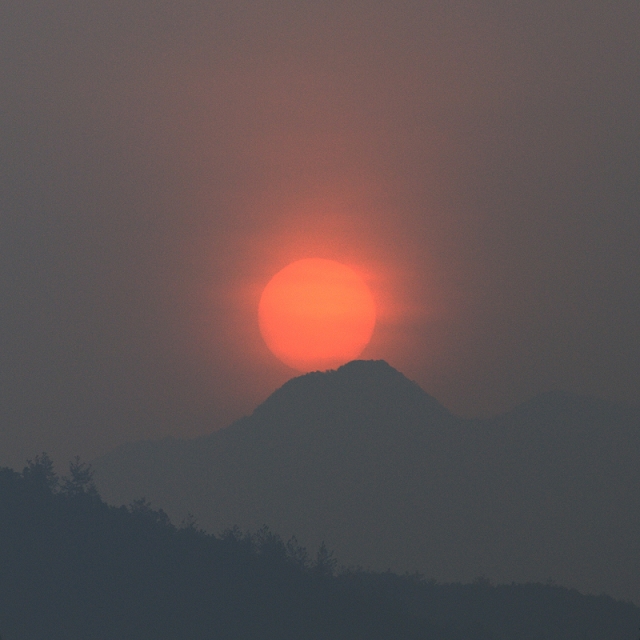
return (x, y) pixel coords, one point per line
(316, 314)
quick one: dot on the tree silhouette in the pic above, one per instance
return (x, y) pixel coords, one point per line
(80, 480)
(40, 473)
(325, 564)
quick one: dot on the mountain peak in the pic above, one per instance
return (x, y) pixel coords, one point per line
(360, 386)
(360, 372)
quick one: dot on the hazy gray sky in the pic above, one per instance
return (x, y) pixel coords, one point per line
(160, 161)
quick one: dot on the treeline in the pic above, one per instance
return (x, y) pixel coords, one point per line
(73, 567)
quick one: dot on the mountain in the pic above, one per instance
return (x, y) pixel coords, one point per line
(365, 460)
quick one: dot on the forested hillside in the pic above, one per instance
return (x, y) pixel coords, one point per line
(73, 567)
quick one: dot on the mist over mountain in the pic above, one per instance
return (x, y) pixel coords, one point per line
(365, 460)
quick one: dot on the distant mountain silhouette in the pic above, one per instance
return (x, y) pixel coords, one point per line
(365, 460)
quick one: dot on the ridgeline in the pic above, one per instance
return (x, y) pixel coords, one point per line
(74, 568)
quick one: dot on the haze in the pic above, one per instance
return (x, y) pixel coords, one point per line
(161, 161)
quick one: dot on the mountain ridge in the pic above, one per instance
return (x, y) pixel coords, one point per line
(366, 460)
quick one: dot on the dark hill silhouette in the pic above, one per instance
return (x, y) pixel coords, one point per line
(364, 459)
(74, 568)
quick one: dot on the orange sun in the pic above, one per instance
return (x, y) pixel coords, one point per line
(316, 314)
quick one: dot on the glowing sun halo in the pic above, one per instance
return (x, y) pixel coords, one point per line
(316, 314)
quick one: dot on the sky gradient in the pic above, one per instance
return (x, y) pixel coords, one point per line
(478, 163)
